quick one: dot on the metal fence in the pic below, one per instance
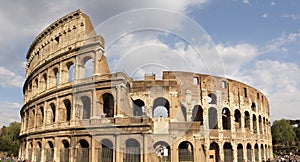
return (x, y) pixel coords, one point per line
(249, 155)
(30, 154)
(228, 155)
(82, 154)
(49, 154)
(64, 155)
(185, 155)
(105, 154)
(240, 155)
(38, 154)
(132, 154)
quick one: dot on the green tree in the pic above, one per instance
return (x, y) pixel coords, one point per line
(9, 138)
(282, 132)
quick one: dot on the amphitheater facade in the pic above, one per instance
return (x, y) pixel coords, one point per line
(71, 114)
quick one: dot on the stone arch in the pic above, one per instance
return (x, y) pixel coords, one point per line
(214, 152)
(133, 152)
(162, 149)
(68, 109)
(108, 104)
(52, 113)
(253, 107)
(107, 151)
(254, 124)
(83, 150)
(185, 152)
(54, 80)
(260, 124)
(249, 152)
(49, 151)
(247, 119)
(86, 107)
(237, 118)
(197, 114)
(256, 152)
(226, 121)
(184, 113)
(212, 118)
(44, 81)
(262, 152)
(40, 116)
(88, 65)
(240, 153)
(38, 151)
(228, 152)
(65, 151)
(70, 71)
(212, 98)
(161, 107)
(138, 107)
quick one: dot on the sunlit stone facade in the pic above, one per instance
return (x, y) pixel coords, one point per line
(76, 110)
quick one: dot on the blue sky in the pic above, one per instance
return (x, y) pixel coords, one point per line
(257, 41)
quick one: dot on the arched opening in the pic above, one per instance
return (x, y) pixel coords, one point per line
(183, 109)
(161, 108)
(53, 112)
(249, 154)
(49, 151)
(67, 104)
(247, 119)
(56, 75)
(213, 118)
(254, 124)
(212, 98)
(185, 152)
(228, 153)
(70, 67)
(262, 152)
(65, 152)
(86, 107)
(132, 151)
(138, 107)
(256, 152)
(260, 124)
(40, 116)
(44, 81)
(88, 67)
(162, 151)
(107, 151)
(240, 157)
(38, 151)
(83, 151)
(264, 125)
(226, 119)
(237, 118)
(31, 118)
(214, 155)
(108, 104)
(253, 107)
(197, 114)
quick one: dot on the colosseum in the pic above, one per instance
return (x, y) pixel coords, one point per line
(71, 114)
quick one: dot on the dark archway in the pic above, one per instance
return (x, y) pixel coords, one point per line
(240, 155)
(213, 118)
(65, 152)
(138, 107)
(197, 114)
(86, 107)
(107, 151)
(185, 152)
(108, 104)
(162, 150)
(226, 123)
(228, 153)
(247, 119)
(83, 151)
(214, 154)
(249, 153)
(237, 118)
(212, 98)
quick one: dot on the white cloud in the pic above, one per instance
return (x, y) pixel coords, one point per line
(246, 1)
(235, 56)
(9, 78)
(273, 3)
(290, 16)
(280, 82)
(9, 112)
(279, 44)
(264, 16)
